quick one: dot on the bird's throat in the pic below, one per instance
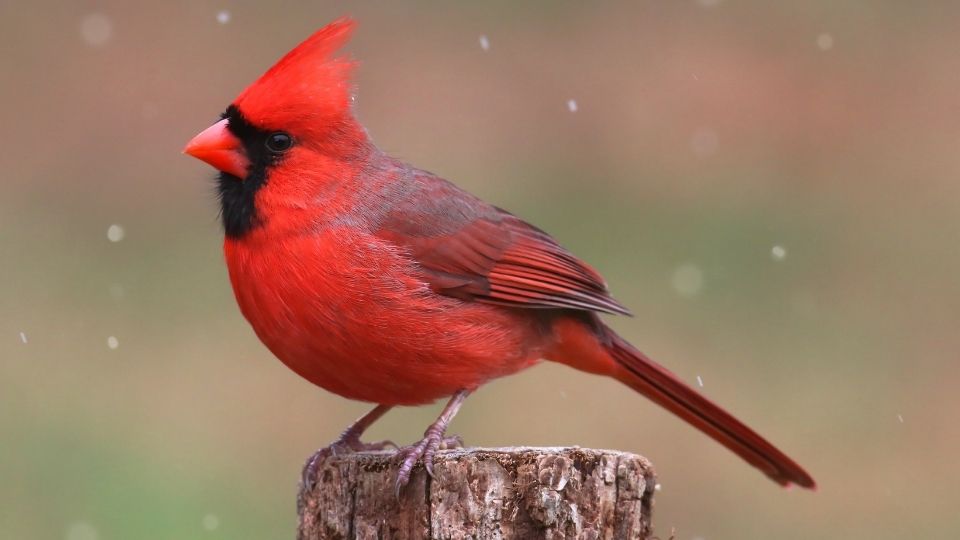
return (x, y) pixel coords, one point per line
(238, 210)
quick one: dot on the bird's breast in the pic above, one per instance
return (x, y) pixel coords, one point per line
(351, 313)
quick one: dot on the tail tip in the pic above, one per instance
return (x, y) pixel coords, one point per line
(804, 481)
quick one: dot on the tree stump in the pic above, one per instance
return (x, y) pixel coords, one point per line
(482, 493)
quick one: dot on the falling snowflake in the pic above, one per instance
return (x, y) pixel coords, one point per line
(223, 16)
(778, 253)
(825, 42)
(96, 29)
(115, 233)
(572, 105)
(113, 342)
(900, 418)
(484, 43)
(211, 522)
(700, 381)
(23, 337)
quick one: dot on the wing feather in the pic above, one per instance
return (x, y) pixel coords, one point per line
(474, 251)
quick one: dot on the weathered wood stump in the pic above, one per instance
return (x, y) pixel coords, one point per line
(482, 493)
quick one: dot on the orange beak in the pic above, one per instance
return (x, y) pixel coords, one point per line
(220, 148)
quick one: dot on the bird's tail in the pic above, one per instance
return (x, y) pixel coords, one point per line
(612, 355)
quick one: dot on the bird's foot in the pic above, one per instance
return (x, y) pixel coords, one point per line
(346, 444)
(433, 440)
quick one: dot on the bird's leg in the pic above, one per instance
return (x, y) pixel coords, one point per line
(433, 438)
(349, 441)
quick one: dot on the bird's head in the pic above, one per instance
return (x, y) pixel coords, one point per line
(295, 115)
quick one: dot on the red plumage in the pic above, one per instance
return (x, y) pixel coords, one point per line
(385, 283)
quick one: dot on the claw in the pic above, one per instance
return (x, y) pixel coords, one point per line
(439, 443)
(433, 439)
(341, 446)
(349, 441)
(426, 449)
(409, 457)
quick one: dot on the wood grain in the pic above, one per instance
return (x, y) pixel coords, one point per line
(482, 493)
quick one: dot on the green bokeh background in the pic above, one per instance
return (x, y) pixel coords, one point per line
(706, 133)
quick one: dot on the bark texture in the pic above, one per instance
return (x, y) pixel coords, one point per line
(482, 493)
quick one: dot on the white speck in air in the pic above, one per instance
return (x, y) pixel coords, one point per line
(700, 381)
(657, 487)
(572, 105)
(484, 43)
(115, 233)
(223, 16)
(825, 42)
(778, 253)
(96, 29)
(211, 522)
(23, 337)
(900, 418)
(113, 342)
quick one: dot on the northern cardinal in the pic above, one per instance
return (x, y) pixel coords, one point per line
(385, 283)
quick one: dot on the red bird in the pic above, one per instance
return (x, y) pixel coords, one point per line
(385, 283)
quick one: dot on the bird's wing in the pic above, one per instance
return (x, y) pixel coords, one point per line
(474, 251)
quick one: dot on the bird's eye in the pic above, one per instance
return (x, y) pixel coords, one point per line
(279, 142)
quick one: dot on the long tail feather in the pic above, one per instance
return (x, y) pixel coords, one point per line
(663, 387)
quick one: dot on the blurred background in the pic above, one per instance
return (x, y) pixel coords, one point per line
(772, 187)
